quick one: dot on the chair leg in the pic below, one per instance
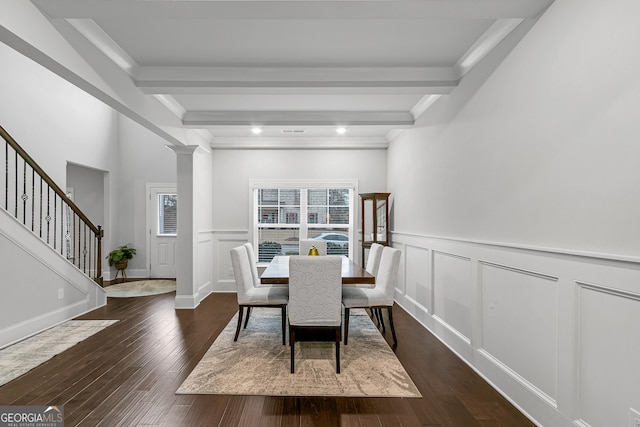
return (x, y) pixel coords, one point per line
(393, 330)
(292, 342)
(246, 322)
(240, 313)
(284, 325)
(346, 325)
(379, 311)
(338, 349)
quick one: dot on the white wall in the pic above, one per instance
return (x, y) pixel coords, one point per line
(88, 191)
(233, 169)
(143, 157)
(544, 153)
(39, 287)
(55, 123)
(516, 211)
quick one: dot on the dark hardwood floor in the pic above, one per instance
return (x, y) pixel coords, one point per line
(127, 375)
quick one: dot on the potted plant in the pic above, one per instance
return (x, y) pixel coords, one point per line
(121, 256)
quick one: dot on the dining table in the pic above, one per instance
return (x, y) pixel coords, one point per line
(277, 272)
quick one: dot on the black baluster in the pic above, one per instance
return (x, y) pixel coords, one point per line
(63, 203)
(15, 196)
(41, 204)
(48, 217)
(55, 220)
(24, 192)
(33, 199)
(84, 250)
(6, 175)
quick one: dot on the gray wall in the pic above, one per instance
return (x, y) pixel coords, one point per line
(142, 158)
(516, 210)
(543, 152)
(233, 169)
(55, 123)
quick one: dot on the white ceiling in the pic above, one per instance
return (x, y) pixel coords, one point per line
(225, 66)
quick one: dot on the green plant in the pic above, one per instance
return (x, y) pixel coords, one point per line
(123, 252)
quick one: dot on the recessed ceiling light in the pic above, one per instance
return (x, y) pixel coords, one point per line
(341, 131)
(256, 131)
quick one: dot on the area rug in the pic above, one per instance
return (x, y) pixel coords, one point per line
(140, 288)
(21, 357)
(258, 363)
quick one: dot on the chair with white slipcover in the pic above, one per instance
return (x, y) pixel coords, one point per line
(382, 296)
(251, 296)
(254, 265)
(373, 260)
(315, 291)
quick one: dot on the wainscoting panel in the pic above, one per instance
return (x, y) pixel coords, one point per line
(556, 332)
(609, 355)
(205, 255)
(224, 241)
(452, 291)
(519, 312)
(417, 282)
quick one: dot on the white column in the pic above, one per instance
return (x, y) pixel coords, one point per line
(187, 242)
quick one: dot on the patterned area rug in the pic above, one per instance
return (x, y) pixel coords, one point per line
(21, 357)
(140, 288)
(258, 363)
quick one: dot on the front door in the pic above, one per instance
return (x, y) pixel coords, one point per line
(163, 209)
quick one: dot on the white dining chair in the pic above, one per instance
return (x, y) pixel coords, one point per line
(305, 245)
(254, 265)
(382, 296)
(372, 264)
(373, 260)
(250, 296)
(315, 285)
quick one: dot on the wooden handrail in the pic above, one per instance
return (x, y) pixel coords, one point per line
(47, 179)
(96, 230)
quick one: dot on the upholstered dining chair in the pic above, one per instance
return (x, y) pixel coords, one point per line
(373, 263)
(372, 266)
(382, 296)
(305, 245)
(254, 265)
(251, 296)
(315, 284)
(373, 260)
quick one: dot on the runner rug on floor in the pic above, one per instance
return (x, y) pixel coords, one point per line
(258, 363)
(140, 288)
(23, 356)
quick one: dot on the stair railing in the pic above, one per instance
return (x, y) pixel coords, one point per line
(32, 197)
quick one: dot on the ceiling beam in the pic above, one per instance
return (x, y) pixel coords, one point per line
(295, 87)
(296, 118)
(212, 80)
(294, 9)
(351, 143)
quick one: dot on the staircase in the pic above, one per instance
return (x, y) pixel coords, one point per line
(51, 253)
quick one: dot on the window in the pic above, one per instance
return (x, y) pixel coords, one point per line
(167, 214)
(287, 212)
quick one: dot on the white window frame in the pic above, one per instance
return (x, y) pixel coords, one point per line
(305, 184)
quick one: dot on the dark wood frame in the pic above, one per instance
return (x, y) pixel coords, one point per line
(374, 197)
(314, 333)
